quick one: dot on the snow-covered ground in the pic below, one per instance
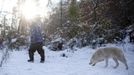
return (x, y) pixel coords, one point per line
(75, 64)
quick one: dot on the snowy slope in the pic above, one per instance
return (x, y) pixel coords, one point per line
(75, 64)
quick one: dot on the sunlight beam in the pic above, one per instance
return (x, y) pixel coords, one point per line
(30, 9)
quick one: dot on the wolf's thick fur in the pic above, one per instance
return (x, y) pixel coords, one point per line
(106, 53)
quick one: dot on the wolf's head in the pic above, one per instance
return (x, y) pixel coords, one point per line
(97, 57)
(92, 62)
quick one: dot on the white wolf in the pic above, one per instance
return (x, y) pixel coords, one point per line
(106, 53)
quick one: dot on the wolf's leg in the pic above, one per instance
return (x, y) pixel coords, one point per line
(123, 60)
(106, 62)
(117, 63)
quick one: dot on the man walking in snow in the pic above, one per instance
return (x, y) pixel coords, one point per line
(36, 40)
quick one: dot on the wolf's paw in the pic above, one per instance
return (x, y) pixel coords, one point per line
(126, 68)
(115, 67)
(106, 66)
